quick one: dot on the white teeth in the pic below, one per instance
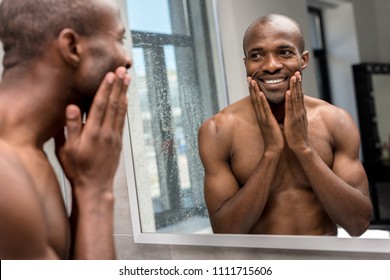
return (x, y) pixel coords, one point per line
(274, 81)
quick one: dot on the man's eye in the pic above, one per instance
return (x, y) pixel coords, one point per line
(286, 53)
(255, 56)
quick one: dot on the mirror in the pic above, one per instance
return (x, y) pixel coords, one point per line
(194, 54)
(372, 82)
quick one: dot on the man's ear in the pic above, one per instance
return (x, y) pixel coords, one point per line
(70, 47)
(305, 59)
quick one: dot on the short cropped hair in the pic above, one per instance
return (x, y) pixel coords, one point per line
(27, 26)
(269, 18)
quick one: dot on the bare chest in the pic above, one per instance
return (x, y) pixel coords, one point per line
(248, 149)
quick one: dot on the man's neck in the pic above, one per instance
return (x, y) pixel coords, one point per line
(31, 109)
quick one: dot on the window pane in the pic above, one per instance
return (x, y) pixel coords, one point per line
(172, 94)
(143, 17)
(315, 31)
(158, 16)
(152, 178)
(180, 138)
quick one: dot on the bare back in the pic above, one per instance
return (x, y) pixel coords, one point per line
(31, 206)
(291, 207)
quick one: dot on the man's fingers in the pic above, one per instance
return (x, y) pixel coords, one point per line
(299, 92)
(255, 98)
(122, 108)
(299, 84)
(289, 104)
(99, 104)
(263, 110)
(115, 99)
(73, 123)
(294, 95)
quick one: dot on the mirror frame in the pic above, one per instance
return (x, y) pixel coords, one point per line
(318, 243)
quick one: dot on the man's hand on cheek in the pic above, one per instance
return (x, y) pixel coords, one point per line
(295, 123)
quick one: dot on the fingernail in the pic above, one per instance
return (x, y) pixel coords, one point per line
(71, 113)
(121, 73)
(110, 78)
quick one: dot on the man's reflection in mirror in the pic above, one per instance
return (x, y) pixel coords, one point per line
(279, 161)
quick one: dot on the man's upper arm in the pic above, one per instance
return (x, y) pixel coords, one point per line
(220, 183)
(347, 164)
(22, 228)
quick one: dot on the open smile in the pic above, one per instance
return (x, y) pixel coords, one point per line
(274, 81)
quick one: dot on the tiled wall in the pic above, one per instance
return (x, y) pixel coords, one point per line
(128, 250)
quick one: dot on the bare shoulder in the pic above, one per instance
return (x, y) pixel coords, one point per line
(216, 134)
(224, 122)
(329, 113)
(338, 121)
(21, 217)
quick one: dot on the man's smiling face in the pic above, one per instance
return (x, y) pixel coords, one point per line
(272, 56)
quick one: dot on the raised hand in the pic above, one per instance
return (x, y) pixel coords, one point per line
(295, 122)
(270, 130)
(90, 154)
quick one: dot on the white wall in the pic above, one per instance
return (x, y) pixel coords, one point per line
(372, 24)
(383, 25)
(234, 18)
(343, 52)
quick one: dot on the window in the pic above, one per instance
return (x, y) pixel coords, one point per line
(320, 54)
(173, 92)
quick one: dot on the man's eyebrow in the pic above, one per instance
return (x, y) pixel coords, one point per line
(287, 46)
(255, 50)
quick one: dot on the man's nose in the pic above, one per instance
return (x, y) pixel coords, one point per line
(271, 63)
(128, 63)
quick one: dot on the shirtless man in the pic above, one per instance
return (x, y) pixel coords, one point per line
(279, 162)
(56, 53)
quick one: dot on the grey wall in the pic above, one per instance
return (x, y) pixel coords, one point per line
(343, 51)
(372, 23)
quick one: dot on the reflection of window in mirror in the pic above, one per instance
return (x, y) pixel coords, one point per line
(319, 59)
(173, 92)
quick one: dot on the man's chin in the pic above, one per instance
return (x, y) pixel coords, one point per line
(276, 99)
